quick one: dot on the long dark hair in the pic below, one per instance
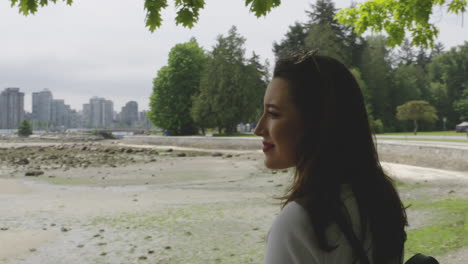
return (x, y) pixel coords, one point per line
(338, 148)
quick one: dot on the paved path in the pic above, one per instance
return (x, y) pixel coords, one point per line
(438, 144)
(254, 143)
(462, 136)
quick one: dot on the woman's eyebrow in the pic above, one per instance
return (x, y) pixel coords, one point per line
(272, 106)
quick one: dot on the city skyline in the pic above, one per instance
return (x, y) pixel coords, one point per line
(79, 109)
(79, 58)
(49, 113)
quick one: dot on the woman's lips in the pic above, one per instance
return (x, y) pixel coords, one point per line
(267, 146)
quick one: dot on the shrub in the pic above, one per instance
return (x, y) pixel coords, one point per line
(377, 126)
(104, 134)
(25, 129)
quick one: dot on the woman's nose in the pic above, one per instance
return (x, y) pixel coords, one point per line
(259, 128)
(257, 131)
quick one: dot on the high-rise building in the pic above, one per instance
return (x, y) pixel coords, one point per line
(86, 115)
(101, 112)
(42, 107)
(11, 108)
(129, 114)
(96, 109)
(75, 119)
(143, 119)
(59, 113)
(108, 118)
(52, 113)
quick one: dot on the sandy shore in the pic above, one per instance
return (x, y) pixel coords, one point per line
(107, 203)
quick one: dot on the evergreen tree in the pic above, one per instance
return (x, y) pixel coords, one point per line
(461, 106)
(323, 13)
(449, 70)
(406, 54)
(256, 78)
(293, 41)
(230, 86)
(375, 124)
(354, 46)
(324, 32)
(438, 97)
(422, 58)
(201, 111)
(25, 129)
(323, 38)
(375, 69)
(333, 39)
(411, 83)
(437, 50)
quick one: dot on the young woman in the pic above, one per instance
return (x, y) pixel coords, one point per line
(341, 206)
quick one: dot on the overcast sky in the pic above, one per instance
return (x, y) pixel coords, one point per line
(102, 48)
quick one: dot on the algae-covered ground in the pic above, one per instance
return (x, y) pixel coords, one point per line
(109, 203)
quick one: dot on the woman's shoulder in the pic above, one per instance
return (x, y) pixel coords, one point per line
(292, 220)
(295, 220)
(290, 239)
(294, 213)
(295, 208)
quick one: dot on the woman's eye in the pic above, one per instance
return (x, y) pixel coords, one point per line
(273, 114)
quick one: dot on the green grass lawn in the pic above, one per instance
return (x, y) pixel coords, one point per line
(424, 139)
(235, 135)
(425, 133)
(447, 232)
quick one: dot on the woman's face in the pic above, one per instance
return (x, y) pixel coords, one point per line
(280, 126)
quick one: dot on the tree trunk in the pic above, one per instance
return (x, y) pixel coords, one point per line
(415, 126)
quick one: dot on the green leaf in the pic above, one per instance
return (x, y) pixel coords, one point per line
(457, 6)
(153, 13)
(261, 7)
(27, 7)
(398, 18)
(13, 2)
(188, 12)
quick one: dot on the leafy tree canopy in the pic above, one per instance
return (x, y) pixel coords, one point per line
(461, 106)
(450, 69)
(397, 17)
(417, 110)
(174, 87)
(188, 11)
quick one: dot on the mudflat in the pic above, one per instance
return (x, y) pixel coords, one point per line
(105, 202)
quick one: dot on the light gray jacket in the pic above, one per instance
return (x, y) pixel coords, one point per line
(291, 239)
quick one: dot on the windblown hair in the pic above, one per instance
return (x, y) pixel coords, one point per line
(338, 148)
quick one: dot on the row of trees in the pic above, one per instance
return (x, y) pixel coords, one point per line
(215, 89)
(388, 77)
(221, 87)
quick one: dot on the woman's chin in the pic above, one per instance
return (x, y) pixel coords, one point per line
(277, 165)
